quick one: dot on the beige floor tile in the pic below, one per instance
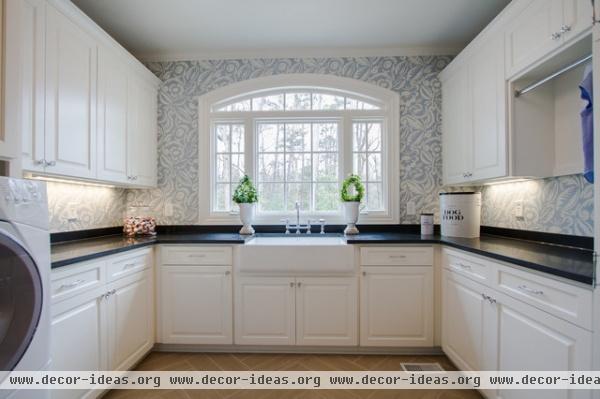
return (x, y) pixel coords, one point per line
(286, 362)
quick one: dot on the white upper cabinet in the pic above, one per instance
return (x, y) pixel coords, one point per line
(79, 102)
(455, 127)
(474, 117)
(71, 59)
(25, 32)
(112, 116)
(486, 132)
(487, 94)
(142, 133)
(542, 27)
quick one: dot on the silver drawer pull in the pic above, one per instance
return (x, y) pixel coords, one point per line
(528, 290)
(397, 256)
(462, 266)
(227, 273)
(129, 265)
(72, 284)
(197, 256)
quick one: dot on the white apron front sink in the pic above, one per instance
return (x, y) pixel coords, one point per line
(297, 255)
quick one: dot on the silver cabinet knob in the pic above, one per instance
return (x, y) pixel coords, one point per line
(555, 36)
(292, 284)
(227, 273)
(565, 29)
(51, 163)
(39, 162)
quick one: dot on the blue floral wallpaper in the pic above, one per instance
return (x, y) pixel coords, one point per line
(414, 78)
(562, 205)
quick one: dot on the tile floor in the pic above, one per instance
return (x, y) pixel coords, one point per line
(286, 362)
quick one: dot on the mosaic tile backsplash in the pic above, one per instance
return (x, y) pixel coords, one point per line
(561, 205)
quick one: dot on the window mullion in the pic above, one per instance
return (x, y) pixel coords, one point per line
(346, 143)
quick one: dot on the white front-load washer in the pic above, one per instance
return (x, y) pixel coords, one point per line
(24, 280)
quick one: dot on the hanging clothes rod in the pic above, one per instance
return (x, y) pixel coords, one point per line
(555, 74)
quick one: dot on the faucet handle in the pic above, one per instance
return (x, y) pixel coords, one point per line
(322, 223)
(287, 225)
(308, 226)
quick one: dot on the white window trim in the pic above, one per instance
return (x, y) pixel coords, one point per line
(361, 90)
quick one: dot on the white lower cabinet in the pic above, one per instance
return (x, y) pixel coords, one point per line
(309, 311)
(265, 311)
(100, 326)
(196, 305)
(130, 319)
(78, 340)
(463, 321)
(326, 311)
(483, 329)
(396, 306)
(530, 339)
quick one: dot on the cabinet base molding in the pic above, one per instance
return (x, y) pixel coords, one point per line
(337, 350)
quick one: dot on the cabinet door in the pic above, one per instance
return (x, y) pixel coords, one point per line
(530, 339)
(326, 311)
(487, 95)
(463, 313)
(142, 133)
(112, 117)
(130, 319)
(532, 34)
(196, 305)
(71, 56)
(265, 311)
(396, 306)
(78, 331)
(24, 83)
(456, 134)
(577, 17)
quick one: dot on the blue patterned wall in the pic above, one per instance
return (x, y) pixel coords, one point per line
(563, 205)
(413, 78)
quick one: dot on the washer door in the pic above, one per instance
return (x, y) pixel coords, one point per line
(20, 301)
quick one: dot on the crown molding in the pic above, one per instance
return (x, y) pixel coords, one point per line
(299, 53)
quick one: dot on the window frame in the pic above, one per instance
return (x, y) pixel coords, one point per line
(388, 114)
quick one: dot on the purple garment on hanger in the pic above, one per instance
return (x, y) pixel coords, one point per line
(587, 124)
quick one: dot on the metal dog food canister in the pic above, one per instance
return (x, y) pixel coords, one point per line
(426, 224)
(460, 214)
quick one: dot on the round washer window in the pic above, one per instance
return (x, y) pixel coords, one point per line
(20, 301)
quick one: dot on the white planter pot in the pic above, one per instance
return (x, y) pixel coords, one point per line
(247, 217)
(351, 211)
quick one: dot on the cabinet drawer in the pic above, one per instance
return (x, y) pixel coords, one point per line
(175, 255)
(566, 301)
(396, 256)
(130, 263)
(72, 280)
(469, 266)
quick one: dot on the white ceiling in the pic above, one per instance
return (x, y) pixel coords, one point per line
(180, 29)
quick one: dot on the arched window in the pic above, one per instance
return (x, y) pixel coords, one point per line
(297, 137)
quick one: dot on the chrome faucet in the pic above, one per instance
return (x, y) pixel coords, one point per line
(299, 227)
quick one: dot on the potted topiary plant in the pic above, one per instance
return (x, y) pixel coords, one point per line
(245, 196)
(351, 194)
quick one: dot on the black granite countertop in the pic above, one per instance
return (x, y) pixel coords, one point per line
(69, 252)
(572, 263)
(564, 261)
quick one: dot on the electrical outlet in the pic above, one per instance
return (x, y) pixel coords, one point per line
(168, 209)
(411, 208)
(519, 209)
(72, 211)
